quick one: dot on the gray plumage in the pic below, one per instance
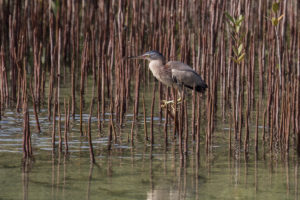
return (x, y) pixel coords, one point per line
(173, 73)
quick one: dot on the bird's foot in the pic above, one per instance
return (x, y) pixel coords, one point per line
(179, 100)
(165, 103)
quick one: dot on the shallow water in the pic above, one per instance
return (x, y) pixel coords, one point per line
(138, 172)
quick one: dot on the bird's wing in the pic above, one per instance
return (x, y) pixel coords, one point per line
(165, 75)
(183, 74)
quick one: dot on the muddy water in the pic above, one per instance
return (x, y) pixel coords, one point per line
(135, 172)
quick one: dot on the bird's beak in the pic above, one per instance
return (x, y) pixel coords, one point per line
(137, 57)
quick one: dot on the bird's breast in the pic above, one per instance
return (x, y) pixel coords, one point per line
(155, 66)
(161, 73)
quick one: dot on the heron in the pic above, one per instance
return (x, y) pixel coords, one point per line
(174, 74)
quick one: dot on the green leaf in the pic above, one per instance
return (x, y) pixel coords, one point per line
(275, 7)
(274, 21)
(240, 49)
(237, 29)
(240, 19)
(54, 7)
(233, 37)
(241, 57)
(237, 62)
(231, 19)
(242, 36)
(235, 51)
(231, 26)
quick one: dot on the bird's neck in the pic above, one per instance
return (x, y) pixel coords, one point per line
(154, 66)
(155, 63)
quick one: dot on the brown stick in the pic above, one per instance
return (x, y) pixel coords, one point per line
(186, 132)
(256, 130)
(54, 119)
(92, 158)
(66, 128)
(59, 129)
(145, 124)
(34, 109)
(152, 113)
(166, 120)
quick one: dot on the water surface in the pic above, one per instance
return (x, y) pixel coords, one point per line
(136, 172)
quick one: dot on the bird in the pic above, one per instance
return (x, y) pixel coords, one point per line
(174, 74)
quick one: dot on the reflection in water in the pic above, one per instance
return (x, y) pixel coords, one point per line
(26, 165)
(142, 171)
(246, 179)
(89, 181)
(161, 191)
(158, 194)
(154, 177)
(296, 179)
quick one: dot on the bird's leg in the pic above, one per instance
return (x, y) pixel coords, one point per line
(166, 102)
(179, 94)
(179, 100)
(171, 102)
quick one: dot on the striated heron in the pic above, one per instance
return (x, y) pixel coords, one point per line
(173, 73)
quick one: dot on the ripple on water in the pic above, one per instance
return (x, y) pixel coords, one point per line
(10, 140)
(6, 122)
(10, 151)
(47, 149)
(116, 146)
(10, 125)
(11, 145)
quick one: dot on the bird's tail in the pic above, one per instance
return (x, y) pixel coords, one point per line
(202, 87)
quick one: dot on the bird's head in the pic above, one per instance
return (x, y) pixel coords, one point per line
(150, 56)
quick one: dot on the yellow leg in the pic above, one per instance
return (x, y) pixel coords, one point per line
(165, 103)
